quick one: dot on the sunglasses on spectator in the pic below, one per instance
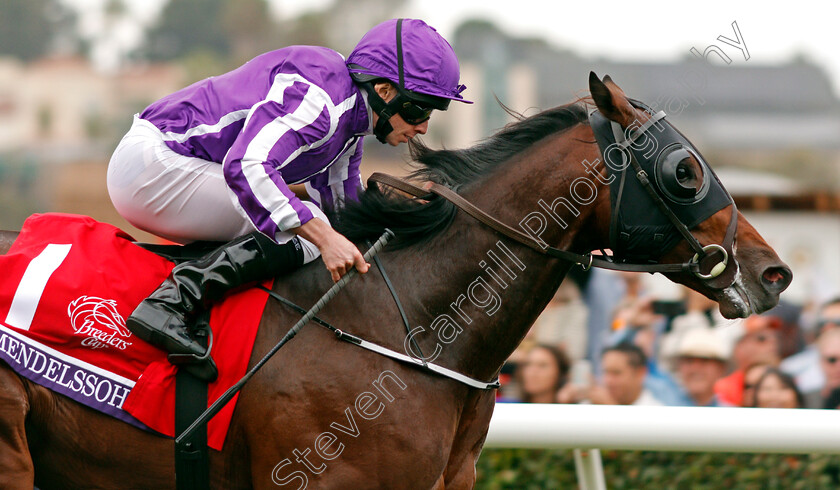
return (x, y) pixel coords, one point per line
(414, 113)
(831, 359)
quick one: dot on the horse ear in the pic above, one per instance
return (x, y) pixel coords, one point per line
(610, 100)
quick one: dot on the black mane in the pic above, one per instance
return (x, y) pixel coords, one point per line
(413, 222)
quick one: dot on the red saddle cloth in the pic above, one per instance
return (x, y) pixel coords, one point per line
(66, 287)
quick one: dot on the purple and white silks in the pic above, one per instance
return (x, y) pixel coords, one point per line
(288, 116)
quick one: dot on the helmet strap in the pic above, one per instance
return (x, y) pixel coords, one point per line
(385, 110)
(382, 109)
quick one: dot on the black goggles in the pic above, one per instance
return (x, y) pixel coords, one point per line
(413, 113)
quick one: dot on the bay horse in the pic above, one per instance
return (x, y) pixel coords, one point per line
(328, 414)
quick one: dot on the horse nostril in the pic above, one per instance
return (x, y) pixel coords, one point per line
(773, 275)
(776, 279)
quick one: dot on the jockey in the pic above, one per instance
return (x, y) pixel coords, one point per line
(214, 161)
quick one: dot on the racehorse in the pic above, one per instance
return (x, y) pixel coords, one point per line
(329, 414)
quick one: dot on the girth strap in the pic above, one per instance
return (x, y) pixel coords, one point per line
(192, 460)
(586, 261)
(399, 356)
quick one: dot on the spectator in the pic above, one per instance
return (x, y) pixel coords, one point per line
(635, 312)
(697, 311)
(563, 322)
(601, 293)
(791, 336)
(833, 400)
(759, 344)
(751, 376)
(543, 373)
(640, 323)
(658, 381)
(776, 389)
(805, 366)
(828, 347)
(701, 361)
(624, 369)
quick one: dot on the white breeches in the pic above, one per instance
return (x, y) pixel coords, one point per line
(177, 197)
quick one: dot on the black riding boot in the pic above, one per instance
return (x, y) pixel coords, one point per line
(163, 319)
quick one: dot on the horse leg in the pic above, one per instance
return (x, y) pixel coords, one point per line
(16, 469)
(469, 439)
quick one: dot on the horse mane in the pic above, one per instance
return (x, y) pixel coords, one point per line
(415, 222)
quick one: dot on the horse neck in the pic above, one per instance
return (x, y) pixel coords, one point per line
(481, 291)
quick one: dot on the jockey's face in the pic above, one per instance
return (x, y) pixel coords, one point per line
(402, 130)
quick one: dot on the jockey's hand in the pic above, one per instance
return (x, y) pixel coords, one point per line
(339, 254)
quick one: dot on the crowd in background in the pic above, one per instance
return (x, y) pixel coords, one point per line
(606, 339)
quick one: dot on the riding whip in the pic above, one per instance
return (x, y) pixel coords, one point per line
(330, 294)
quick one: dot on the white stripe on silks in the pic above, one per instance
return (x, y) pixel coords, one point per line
(314, 102)
(338, 174)
(264, 190)
(275, 94)
(314, 194)
(335, 114)
(203, 129)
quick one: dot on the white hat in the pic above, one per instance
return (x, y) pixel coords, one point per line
(702, 342)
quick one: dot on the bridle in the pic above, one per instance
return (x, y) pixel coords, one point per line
(720, 276)
(694, 208)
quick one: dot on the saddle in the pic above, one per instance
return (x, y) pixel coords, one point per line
(191, 456)
(199, 330)
(69, 283)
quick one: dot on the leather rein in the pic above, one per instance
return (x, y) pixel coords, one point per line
(584, 260)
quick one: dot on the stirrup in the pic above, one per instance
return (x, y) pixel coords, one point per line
(179, 359)
(202, 367)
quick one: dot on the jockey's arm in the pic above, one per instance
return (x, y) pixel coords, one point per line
(253, 171)
(339, 254)
(299, 190)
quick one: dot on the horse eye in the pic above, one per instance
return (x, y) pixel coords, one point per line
(684, 171)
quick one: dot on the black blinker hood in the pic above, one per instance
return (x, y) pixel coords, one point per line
(639, 231)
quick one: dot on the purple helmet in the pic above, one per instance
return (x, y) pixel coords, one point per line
(411, 54)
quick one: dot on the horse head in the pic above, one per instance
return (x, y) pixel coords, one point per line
(681, 211)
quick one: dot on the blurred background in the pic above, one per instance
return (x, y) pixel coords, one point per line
(755, 89)
(73, 72)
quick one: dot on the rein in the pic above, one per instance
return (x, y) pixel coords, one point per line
(364, 344)
(718, 276)
(585, 261)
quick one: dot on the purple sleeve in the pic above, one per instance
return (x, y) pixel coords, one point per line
(343, 181)
(276, 131)
(353, 183)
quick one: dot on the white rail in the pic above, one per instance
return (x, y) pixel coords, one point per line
(759, 430)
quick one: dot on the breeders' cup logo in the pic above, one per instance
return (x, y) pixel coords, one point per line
(99, 322)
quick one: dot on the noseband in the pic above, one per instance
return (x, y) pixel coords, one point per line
(720, 276)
